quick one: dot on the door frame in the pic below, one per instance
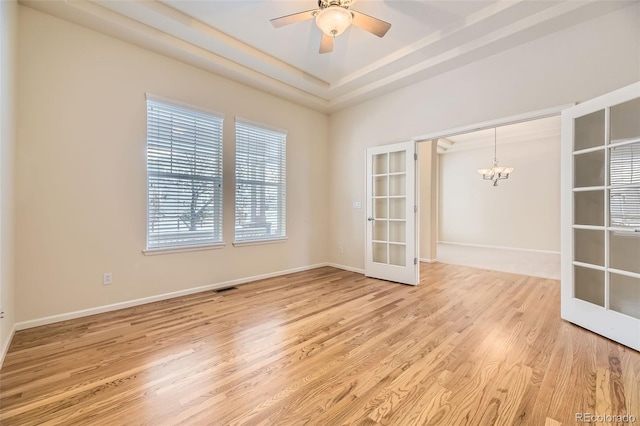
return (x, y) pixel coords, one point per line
(483, 125)
(490, 124)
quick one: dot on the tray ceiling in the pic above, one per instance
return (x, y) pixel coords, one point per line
(235, 39)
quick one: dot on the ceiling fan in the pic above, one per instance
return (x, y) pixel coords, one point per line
(333, 17)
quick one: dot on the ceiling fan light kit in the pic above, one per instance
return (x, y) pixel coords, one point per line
(334, 20)
(333, 17)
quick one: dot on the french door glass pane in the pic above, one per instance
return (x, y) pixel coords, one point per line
(624, 164)
(589, 285)
(397, 162)
(397, 208)
(397, 254)
(588, 208)
(380, 208)
(397, 185)
(624, 251)
(380, 186)
(589, 131)
(380, 164)
(624, 205)
(589, 246)
(380, 252)
(624, 120)
(397, 232)
(380, 230)
(625, 295)
(589, 169)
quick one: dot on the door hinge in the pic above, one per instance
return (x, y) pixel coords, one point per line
(415, 260)
(415, 209)
(415, 155)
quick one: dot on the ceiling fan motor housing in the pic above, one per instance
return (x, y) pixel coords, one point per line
(323, 4)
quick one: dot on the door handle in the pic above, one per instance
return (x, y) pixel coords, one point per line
(370, 219)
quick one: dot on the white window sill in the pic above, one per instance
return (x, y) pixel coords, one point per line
(155, 252)
(259, 242)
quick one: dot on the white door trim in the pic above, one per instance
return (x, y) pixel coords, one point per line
(499, 122)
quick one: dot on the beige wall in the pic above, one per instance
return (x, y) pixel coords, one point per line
(81, 179)
(428, 199)
(8, 33)
(574, 64)
(521, 212)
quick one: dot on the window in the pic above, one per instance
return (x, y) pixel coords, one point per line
(184, 176)
(260, 183)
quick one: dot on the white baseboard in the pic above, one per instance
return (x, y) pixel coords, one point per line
(499, 247)
(428, 260)
(346, 268)
(538, 263)
(130, 303)
(6, 344)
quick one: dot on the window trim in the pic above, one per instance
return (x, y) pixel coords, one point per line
(170, 250)
(261, 125)
(260, 242)
(161, 99)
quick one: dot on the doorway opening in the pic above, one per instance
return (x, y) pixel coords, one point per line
(511, 227)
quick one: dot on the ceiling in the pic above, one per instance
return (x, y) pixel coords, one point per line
(235, 39)
(532, 130)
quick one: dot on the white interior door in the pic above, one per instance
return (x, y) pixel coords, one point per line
(601, 215)
(391, 251)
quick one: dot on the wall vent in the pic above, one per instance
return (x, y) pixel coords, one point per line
(222, 290)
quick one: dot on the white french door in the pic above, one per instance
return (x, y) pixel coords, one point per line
(601, 215)
(391, 243)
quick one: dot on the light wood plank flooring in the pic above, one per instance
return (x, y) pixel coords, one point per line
(326, 347)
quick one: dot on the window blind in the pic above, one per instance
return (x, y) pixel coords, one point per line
(184, 176)
(624, 169)
(260, 183)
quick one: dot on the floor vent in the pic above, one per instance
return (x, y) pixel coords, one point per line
(222, 290)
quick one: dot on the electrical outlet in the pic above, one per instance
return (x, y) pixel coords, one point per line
(107, 278)
(340, 249)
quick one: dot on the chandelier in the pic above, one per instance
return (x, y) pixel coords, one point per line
(496, 172)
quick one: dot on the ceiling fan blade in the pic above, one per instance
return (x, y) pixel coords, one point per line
(292, 19)
(326, 45)
(369, 23)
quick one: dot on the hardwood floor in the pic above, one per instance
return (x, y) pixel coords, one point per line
(326, 347)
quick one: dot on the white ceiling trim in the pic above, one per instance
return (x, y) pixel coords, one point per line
(426, 42)
(425, 69)
(539, 135)
(490, 124)
(196, 32)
